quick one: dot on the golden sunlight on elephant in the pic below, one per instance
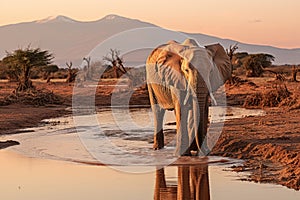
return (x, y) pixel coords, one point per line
(181, 77)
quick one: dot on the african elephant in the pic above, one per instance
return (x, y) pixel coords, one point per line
(192, 184)
(181, 77)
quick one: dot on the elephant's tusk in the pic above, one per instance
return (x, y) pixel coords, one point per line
(214, 102)
(187, 97)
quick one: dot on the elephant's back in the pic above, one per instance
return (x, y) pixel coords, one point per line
(152, 74)
(154, 55)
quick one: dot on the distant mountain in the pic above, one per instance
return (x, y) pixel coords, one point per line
(71, 40)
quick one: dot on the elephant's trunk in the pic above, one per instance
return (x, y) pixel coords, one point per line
(196, 116)
(200, 113)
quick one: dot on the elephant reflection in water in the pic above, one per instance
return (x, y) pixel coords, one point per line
(193, 184)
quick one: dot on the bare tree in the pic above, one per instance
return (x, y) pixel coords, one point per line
(71, 74)
(295, 70)
(230, 52)
(87, 68)
(116, 62)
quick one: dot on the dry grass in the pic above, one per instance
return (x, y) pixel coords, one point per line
(32, 97)
(269, 98)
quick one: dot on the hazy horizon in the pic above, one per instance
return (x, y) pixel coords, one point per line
(265, 22)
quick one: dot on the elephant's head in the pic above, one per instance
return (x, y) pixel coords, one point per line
(207, 66)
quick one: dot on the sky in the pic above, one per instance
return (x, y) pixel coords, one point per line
(267, 22)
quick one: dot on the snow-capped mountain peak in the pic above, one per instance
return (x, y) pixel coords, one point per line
(58, 18)
(71, 40)
(111, 17)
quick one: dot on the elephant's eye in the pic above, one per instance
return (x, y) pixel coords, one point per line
(169, 55)
(186, 70)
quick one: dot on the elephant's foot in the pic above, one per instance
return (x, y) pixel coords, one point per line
(194, 153)
(204, 152)
(185, 153)
(194, 147)
(159, 142)
(204, 149)
(191, 153)
(157, 147)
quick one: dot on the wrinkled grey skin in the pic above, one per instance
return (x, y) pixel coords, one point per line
(181, 77)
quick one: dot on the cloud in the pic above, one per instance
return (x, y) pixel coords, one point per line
(255, 21)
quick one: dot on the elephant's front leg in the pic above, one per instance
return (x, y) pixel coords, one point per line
(197, 124)
(158, 115)
(158, 127)
(191, 131)
(181, 112)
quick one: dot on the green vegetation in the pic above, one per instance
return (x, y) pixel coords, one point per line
(256, 63)
(253, 65)
(22, 65)
(21, 61)
(48, 70)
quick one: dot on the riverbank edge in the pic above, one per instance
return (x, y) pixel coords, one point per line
(267, 163)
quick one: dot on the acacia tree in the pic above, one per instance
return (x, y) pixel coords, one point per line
(48, 70)
(23, 60)
(255, 64)
(8, 73)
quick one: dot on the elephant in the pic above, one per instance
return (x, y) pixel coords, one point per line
(192, 183)
(182, 77)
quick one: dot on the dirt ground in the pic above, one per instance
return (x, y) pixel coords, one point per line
(269, 144)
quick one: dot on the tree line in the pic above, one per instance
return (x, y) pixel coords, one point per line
(22, 65)
(256, 65)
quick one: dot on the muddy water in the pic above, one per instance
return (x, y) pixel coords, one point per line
(113, 137)
(63, 139)
(35, 179)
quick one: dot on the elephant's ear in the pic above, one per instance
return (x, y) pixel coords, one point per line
(222, 70)
(168, 66)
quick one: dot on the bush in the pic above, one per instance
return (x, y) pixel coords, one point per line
(32, 97)
(271, 98)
